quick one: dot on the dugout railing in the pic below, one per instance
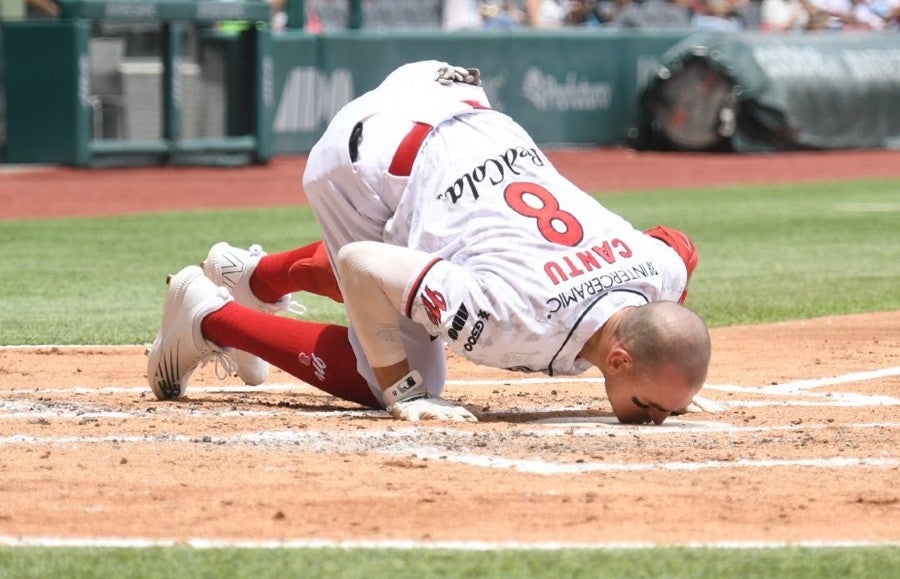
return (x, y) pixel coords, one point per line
(140, 83)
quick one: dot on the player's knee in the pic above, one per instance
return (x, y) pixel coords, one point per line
(351, 261)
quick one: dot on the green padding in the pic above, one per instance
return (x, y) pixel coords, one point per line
(47, 116)
(48, 96)
(577, 87)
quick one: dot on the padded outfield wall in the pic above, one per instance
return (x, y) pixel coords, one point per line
(588, 86)
(570, 87)
(584, 87)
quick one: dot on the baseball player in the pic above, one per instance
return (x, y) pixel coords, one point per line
(444, 224)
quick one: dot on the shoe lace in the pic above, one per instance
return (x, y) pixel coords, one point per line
(225, 365)
(296, 308)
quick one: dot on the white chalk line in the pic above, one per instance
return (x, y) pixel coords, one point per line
(431, 445)
(542, 467)
(25, 410)
(410, 544)
(794, 388)
(867, 207)
(548, 468)
(327, 440)
(805, 399)
(801, 385)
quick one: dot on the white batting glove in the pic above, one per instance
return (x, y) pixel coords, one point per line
(701, 404)
(447, 75)
(408, 400)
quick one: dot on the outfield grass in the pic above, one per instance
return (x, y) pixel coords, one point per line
(672, 563)
(767, 254)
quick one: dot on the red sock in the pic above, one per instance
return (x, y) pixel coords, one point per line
(271, 278)
(318, 354)
(315, 275)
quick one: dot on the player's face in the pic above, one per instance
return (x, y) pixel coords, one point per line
(651, 398)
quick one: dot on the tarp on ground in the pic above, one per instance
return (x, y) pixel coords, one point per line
(770, 92)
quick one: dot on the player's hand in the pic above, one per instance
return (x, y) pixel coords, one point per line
(408, 400)
(701, 404)
(447, 75)
(430, 408)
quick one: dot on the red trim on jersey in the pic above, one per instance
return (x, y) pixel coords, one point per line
(415, 287)
(476, 105)
(405, 155)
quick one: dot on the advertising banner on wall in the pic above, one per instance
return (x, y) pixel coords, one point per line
(577, 88)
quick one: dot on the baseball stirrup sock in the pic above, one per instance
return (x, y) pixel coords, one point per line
(316, 275)
(271, 279)
(318, 354)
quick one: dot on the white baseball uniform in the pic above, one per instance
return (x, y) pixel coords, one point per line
(527, 265)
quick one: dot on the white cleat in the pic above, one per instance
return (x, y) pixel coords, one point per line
(179, 347)
(232, 267)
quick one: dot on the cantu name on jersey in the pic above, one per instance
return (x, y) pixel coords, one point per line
(586, 261)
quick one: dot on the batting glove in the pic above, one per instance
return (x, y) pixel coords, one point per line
(447, 75)
(408, 400)
(701, 404)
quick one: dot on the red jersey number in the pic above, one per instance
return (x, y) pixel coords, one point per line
(555, 225)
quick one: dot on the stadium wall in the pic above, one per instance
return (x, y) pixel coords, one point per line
(588, 87)
(565, 87)
(571, 88)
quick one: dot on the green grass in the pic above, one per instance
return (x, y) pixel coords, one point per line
(767, 254)
(164, 563)
(101, 281)
(784, 252)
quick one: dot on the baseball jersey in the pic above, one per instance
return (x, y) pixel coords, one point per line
(347, 177)
(353, 193)
(527, 266)
(530, 266)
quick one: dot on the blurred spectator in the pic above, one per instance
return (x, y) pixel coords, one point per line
(830, 14)
(847, 14)
(607, 10)
(581, 13)
(785, 15)
(545, 13)
(652, 14)
(461, 14)
(41, 9)
(278, 17)
(501, 14)
(863, 17)
(717, 15)
(889, 11)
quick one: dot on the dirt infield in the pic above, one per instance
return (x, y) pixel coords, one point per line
(29, 192)
(806, 450)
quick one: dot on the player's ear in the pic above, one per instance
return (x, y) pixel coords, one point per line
(618, 360)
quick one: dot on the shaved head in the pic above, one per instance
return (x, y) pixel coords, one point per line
(663, 333)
